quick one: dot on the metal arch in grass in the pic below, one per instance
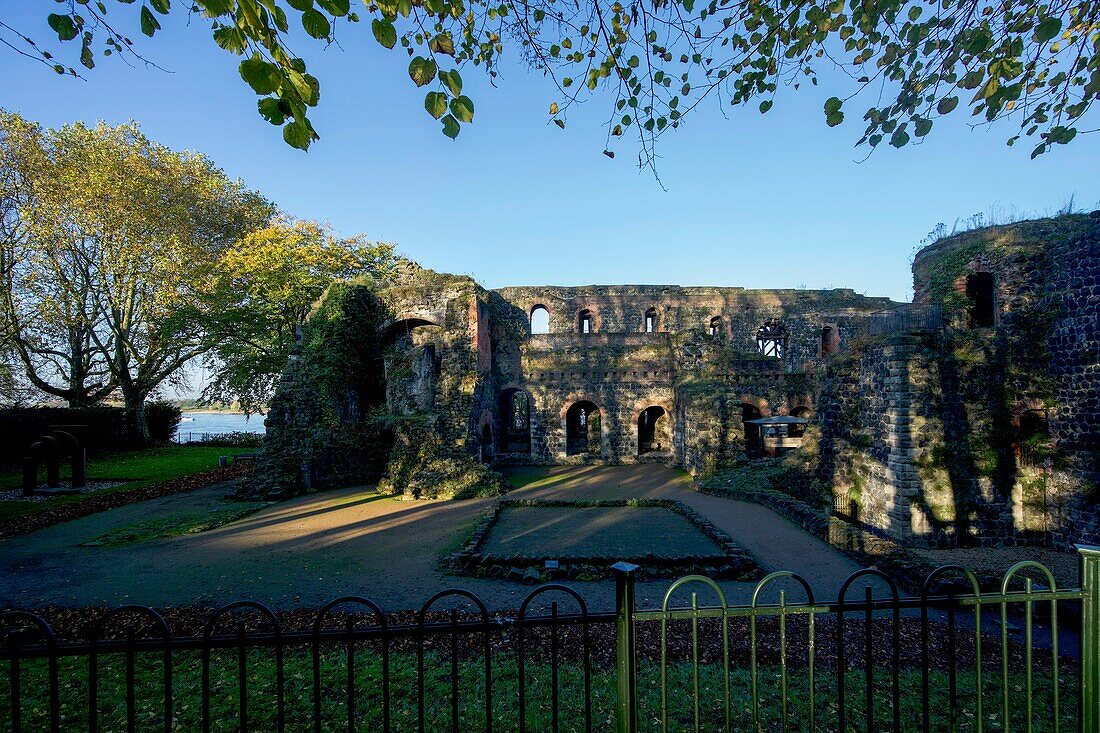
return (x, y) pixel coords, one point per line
(1053, 588)
(99, 631)
(380, 619)
(51, 645)
(926, 588)
(456, 592)
(869, 684)
(521, 654)
(686, 580)
(242, 664)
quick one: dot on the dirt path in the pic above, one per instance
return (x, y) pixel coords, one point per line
(308, 550)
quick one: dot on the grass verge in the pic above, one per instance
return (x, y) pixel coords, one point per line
(776, 712)
(176, 525)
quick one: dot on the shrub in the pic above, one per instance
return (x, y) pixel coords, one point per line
(161, 419)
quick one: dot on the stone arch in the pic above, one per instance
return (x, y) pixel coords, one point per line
(515, 408)
(587, 321)
(759, 403)
(583, 428)
(538, 319)
(405, 324)
(651, 320)
(754, 442)
(716, 327)
(797, 431)
(654, 429)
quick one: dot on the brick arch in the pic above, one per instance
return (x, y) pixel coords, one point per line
(574, 397)
(520, 387)
(641, 406)
(758, 402)
(658, 318)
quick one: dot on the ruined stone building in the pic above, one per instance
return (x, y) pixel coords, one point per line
(970, 414)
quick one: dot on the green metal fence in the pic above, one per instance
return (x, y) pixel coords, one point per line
(1028, 590)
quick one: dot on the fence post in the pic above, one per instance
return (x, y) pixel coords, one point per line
(626, 668)
(1090, 638)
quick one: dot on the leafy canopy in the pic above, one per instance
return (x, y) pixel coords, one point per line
(1036, 63)
(266, 284)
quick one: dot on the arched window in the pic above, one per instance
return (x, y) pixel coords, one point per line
(515, 421)
(979, 293)
(653, 432)
(540, 319)
(582, 429)
(771, 339)
(830, 340)
(651, 320)
(754, 446)
(715, 328)
(585, 324)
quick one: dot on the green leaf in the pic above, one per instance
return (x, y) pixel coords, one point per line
(899, 138)
(922, 127)
(1047, 29)
(231, 39)
(450, 127)
(463, 109)
(262, 76)
(436, 104)
(336, 8)
(316, 24)
(270, 111)
(833, 115)
(947, 104)
(298, 135)
(300, 5)
(216, 8)
(443, 44)
(384, 32)
(63, 25)
(765, 106)
(452, 81)
(689, 5)
(161, 6)
(149, 23)
(421, 70)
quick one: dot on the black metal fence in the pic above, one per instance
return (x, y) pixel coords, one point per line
(1024, 656)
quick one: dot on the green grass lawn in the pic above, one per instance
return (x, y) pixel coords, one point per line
(187, 671)
(138, 468)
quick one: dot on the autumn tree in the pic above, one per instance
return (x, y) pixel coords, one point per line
(657, 60)
(266, 284)
(121, 236)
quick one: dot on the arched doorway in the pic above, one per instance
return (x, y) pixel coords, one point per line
(653, 433)
(1033, 444)
(830, 340)
(754, 446)
(651, 320)
(515, 421)
(582, 429)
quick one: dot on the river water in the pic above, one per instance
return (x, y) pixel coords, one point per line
(196, 424)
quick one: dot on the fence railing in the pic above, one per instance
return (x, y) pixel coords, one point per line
(953, 657)
(907, 319)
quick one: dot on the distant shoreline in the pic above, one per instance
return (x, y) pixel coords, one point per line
(220, 412)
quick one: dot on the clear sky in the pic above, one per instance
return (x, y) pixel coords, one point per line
(776, 200)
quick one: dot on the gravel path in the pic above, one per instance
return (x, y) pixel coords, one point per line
(308, 550)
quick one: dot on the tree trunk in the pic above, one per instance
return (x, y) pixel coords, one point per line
(137, 432)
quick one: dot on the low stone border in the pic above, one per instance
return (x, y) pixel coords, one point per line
(99, 501)
(730, 560)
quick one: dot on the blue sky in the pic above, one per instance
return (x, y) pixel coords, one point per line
(776, 200)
